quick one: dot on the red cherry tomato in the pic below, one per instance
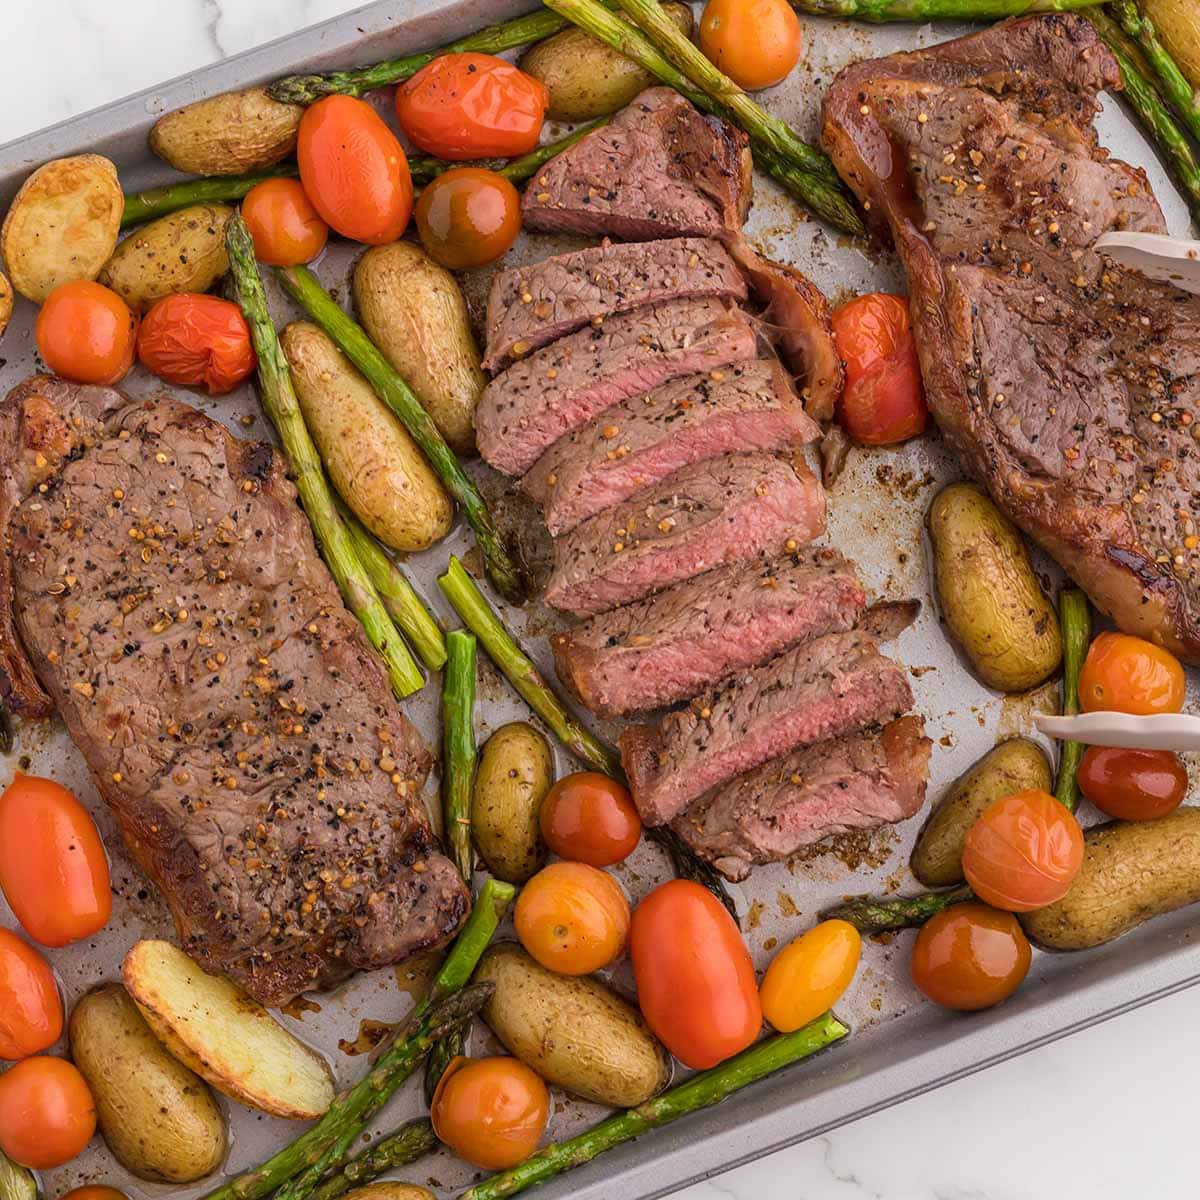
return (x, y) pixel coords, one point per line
(590, 818)
(283, 223)
(465, 106)
(755, 42)
(85, 333)
(1133, 785)
(1129, 674)
(695, 979)
(197, 341)
(47, 1114)
(468, 217)
(884, 401)
(970, 956)
(52, 867)
(31, 1014)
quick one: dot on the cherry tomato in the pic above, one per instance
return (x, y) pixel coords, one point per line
(1133, 785)
(52, 867)
(572, 918)
(464, 106)
(47, 1114)
(490, 1111)
(695, 980)
(94, 1191)
(1023, 852)
(590, 818)
(755, 42)
(283, 223)
(354, 170)
(85, 333)
(468, 217)
(970, 956)
(197, 341)
(884, 401)
(806, 977)
(1131, 675)
(31, 1015)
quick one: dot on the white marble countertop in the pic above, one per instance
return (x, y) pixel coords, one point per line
(1108, 1114)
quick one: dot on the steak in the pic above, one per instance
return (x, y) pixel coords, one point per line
(526, 408)
(733, 509)
(820, 689)
(684, 640)
(639, 442)
(1065, 383)
(529, 306)
(876, 777)
(164, 595)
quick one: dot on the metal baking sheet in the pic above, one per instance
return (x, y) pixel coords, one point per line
(901, 1046)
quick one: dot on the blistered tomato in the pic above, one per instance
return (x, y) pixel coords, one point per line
(589, 817)
(970, 956)
(47, 1114)
(31, 1014)
(572, 918)
(196, 340)
(1129, 674)
(807, 977)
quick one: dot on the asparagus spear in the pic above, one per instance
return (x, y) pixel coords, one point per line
(458, 748)
(410, 1142)
(279, 400)
(934, 10)
(700, 1091)
(881, 916)
(1075, 617)
(157, 202)
(1174, 84)
(303, 287)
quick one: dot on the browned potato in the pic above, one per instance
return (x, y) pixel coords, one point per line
(6, 303)
(515, 773)
(387, 1189)
(1178, 24)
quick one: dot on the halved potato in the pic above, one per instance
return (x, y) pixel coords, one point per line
(6, 302)
(226, 1037)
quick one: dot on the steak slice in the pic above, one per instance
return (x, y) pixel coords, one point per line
(1068, 385)
(820, 689)
(877, 777)
(564, 385)
(732, 509)
(168, 596)
(531, 305)
(684, 640)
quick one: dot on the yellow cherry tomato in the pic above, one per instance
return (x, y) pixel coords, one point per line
(808, 976)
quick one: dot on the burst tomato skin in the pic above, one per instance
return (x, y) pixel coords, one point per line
(1128, 674)
(284, 225)
(31, 1013)
(468, 217)
(572, 918)
(588, 817)
(970, 956)
(196, 340)
(807, 977)
(464, 106)
(85, 333)
(695, 979)
(1133, 785)
(755, 42)
(47, 1114)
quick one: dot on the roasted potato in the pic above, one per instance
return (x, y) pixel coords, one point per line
(586, 78)
(230, 134)
(62, 225)
(990, 597)
(1012, 766)
(6, 303)
(416, 315)
(572, 1030)
(1178, 24)
(387, 1189)
(1132, 871)
(158, 1118)
(515, 773)
(181, 252)
(213, 1027)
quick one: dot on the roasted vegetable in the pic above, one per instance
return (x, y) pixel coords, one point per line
(1178, 25)
(458, 748)
(412, 1140)
(389, 1189)
(515, 773)
(16, 1183)
(6, 302)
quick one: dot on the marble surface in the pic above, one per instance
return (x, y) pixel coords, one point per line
(1107, 1114)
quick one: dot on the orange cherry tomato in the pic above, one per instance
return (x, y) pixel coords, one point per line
(572, 918)
(468, 217)
(464, 106)
(884, 400)
(197, 341)
(970, 956)
(808, 976)
(47, 1114)
(31, 1014)
(755, 42)
(590, 818)
(1133, 785)
(1023, 852)
(695, 979)
(1131, 675)
(52, 867)
(85, 333)
(94, 1191)
(354, 170)
(490, 1111)
(286, 229)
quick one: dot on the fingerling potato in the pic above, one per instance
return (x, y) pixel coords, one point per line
(515, 773)
(387, 1189)
(1178, 25)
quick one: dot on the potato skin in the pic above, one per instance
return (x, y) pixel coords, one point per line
(6, 302)
(414, 312)
(1012, 766)
(572, 1030)
(181, 252)
(158, 1118)
(990, 597)
(388, 1189)
(229, 134)
(515, 773)
(1178, 24)
(371, 458)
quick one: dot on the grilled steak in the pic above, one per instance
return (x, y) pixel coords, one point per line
(684, 640)
(169, 598)
(858, 782)
(1065, 383)
(730, 510)
(564, 385)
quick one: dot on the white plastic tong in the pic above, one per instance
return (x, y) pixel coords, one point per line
(1173, 731)
(1169, 259)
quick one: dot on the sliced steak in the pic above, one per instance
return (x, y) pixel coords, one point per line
(686, 639)
(1068, 385)
(707, 515)
(876, 777)
(820, 689)
(169, 599)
